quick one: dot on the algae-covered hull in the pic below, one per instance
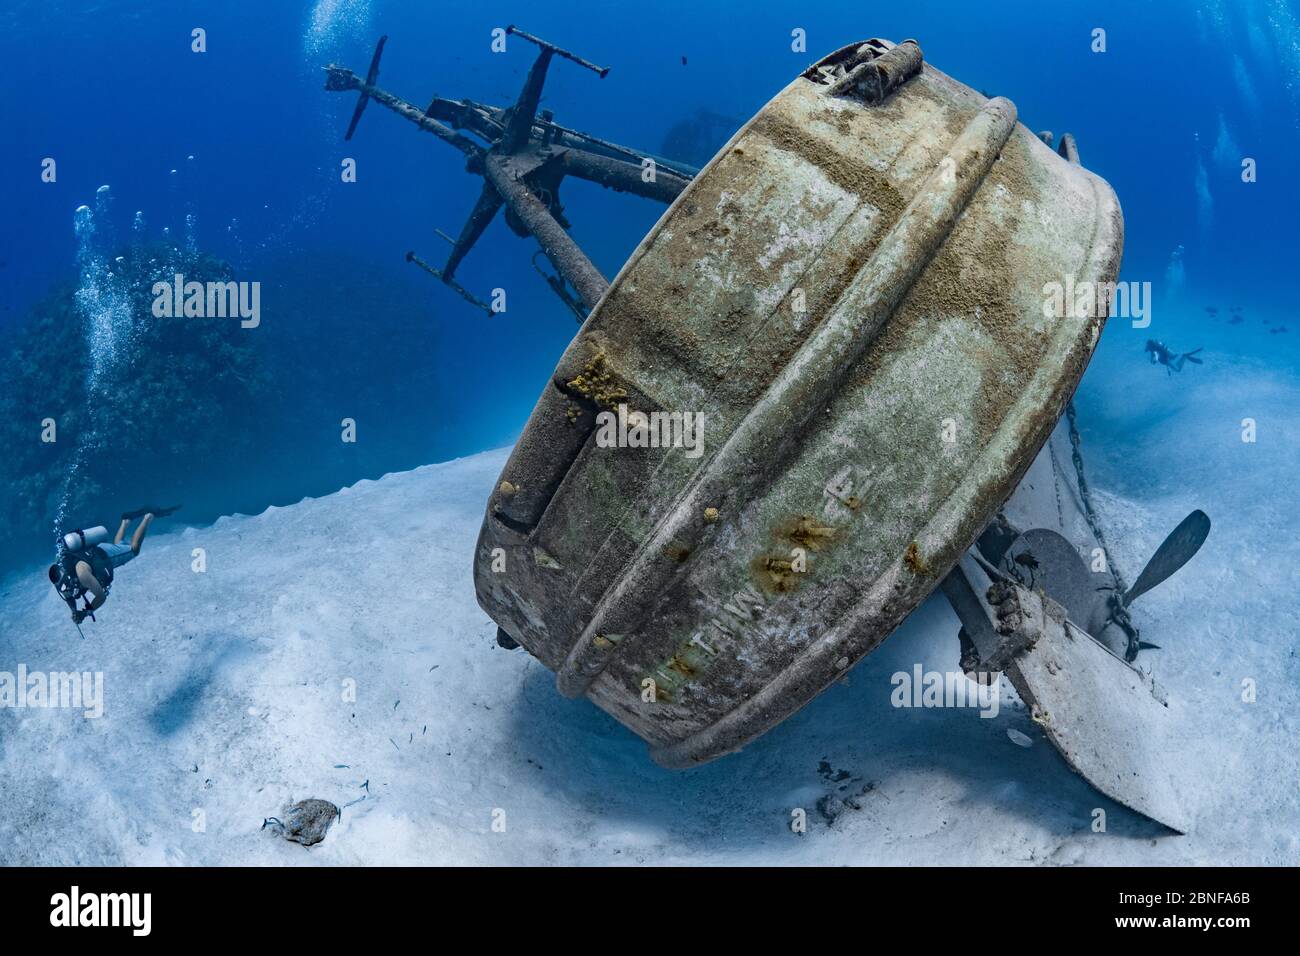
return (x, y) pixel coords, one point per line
(856, 296)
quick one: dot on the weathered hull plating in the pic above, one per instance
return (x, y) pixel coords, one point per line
(852, 293)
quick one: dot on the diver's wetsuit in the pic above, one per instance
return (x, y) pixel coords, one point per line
(88, 569)
(105, 558)
(1172, 361)
(102, 559)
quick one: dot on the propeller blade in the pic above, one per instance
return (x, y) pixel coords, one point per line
(1175, 551)
(371, 75)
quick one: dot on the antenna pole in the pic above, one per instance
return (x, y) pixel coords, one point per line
(601, 71)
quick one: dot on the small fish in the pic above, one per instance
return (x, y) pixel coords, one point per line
(1019, 739)
(683, 61)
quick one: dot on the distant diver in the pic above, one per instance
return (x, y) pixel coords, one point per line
(1172, 361)
(87, 561)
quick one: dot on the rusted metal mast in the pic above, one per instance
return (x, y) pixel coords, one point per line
(524, 158)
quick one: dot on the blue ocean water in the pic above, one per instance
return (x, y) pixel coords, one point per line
(235, 152)
(230, 159)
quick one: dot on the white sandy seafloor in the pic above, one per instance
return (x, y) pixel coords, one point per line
(224, 692)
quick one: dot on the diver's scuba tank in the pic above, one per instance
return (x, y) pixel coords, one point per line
(79, 540)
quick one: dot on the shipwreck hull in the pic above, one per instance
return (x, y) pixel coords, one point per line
(852, 294)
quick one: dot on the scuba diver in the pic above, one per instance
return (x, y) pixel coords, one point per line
(87, 561)
(1170, 360)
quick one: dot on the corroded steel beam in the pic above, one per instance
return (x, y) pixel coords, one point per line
(339, 79)
(464, 293)
(489, 201)
(622, 176)
(601, 71)
(568, 259)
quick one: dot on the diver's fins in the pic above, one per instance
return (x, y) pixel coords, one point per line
(1175, 551)
(149, 509)
(1191, 357)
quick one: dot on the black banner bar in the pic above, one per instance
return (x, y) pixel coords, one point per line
(335, 905)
